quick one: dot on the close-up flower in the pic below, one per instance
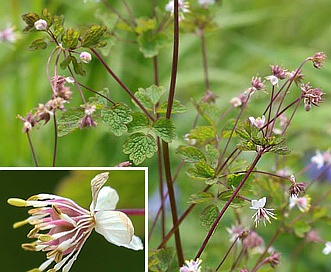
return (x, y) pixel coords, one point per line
(257, 122)
(191, 266)
(296, 188)
(261, 213)
(321, 159)
(318, 60)
(303, 203)
(40, 24)
(85, 57)
(183, 7)
(327, 248)
(61, 226)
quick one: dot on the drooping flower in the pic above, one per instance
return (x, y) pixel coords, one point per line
(254, 242)
(311, 96)
(262, 213)
(318, 60)
(258, 122)
(327, 248)
(273, 80)
(85, 57)
(273, 259)
(183, 7)
(257, 83)
(61, 227)
(191, 266)
(321, 159)
(278, 71)
(40, 24)
(303, 203)
(87, 120)
(296, 188)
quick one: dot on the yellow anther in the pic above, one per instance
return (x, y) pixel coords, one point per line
(56, 210)
(34, 270)
(33, 198)
(20, 223)
(17, 202)
(32, 233)
(56, 254)
(45, 238)
(29, 247)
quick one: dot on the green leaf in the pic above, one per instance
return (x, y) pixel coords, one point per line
(150, 96)
(70, 38)
(93, 36)
(38, 44)
(203, 133)
(246, 146)
(165, 129)
(78, 67)
(150, 43)
(212, 155)
(235, 179)
(280, 150)
(227, 194)
(190, 153)
(116, 118)
(64, 64)
(177, 107)
(160, 260)
(244, 130)
(139, 121)
(69, 121)
(209, 111)
(58, 28)
(209, 215)
(201, 197)
(140, 147)
(202, 171)
(145, 24)
(30, 18)
(227, 129)
(301, 227)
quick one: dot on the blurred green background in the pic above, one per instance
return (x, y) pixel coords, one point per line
(97, 254)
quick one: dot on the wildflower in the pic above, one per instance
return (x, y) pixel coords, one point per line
(258, 122)
(278, 71)
(205, 3)
(273, 80)
(262, 213)
(236, 102)
(61, 90)
(85, 57)
(295, 76)
(311, 96)
(273, 259)
(327, 248)
(235, 232)
(28, 122)
(8, 34)
(303, 203)
(321, 159)
(191, 266)
(40, 24)
(183, 7)
(191, 141)
(297, 187)
(69, 225)
(87, 120)
(44, 113)
(257, 83)
(318, 60)
(253, 241)
(313, 236)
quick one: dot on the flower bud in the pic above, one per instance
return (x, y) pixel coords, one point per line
(85, 57)
(40, 24)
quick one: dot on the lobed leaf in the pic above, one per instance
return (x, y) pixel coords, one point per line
(69, 121)
(177, 107)
(203, 132)
(139, 121)
(70, 38)
(139, 147)
(116, 118)
(30, 18)
(38, 44)
(165, 129)
(201, 197)
(209, 215)
(190, 153)
(160, 260)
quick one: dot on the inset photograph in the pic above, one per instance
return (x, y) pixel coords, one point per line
(73, 219)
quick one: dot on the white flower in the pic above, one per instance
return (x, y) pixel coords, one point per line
(183, 7)
(40, 24)
(261, 213)
(273, 80)
(206, 2)
(321, 159)
(85, 57)
(191, 266)
(258, 122)
(303, 203)
(70, 225)
(327, 248)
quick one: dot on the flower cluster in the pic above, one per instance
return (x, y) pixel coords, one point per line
(311, 96)
(191, 266)
(61, 227)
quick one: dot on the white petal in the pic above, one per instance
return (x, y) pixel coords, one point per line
(96, 184)
(115, 226)
(136, 243)
(256, 204)
(106, 201)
